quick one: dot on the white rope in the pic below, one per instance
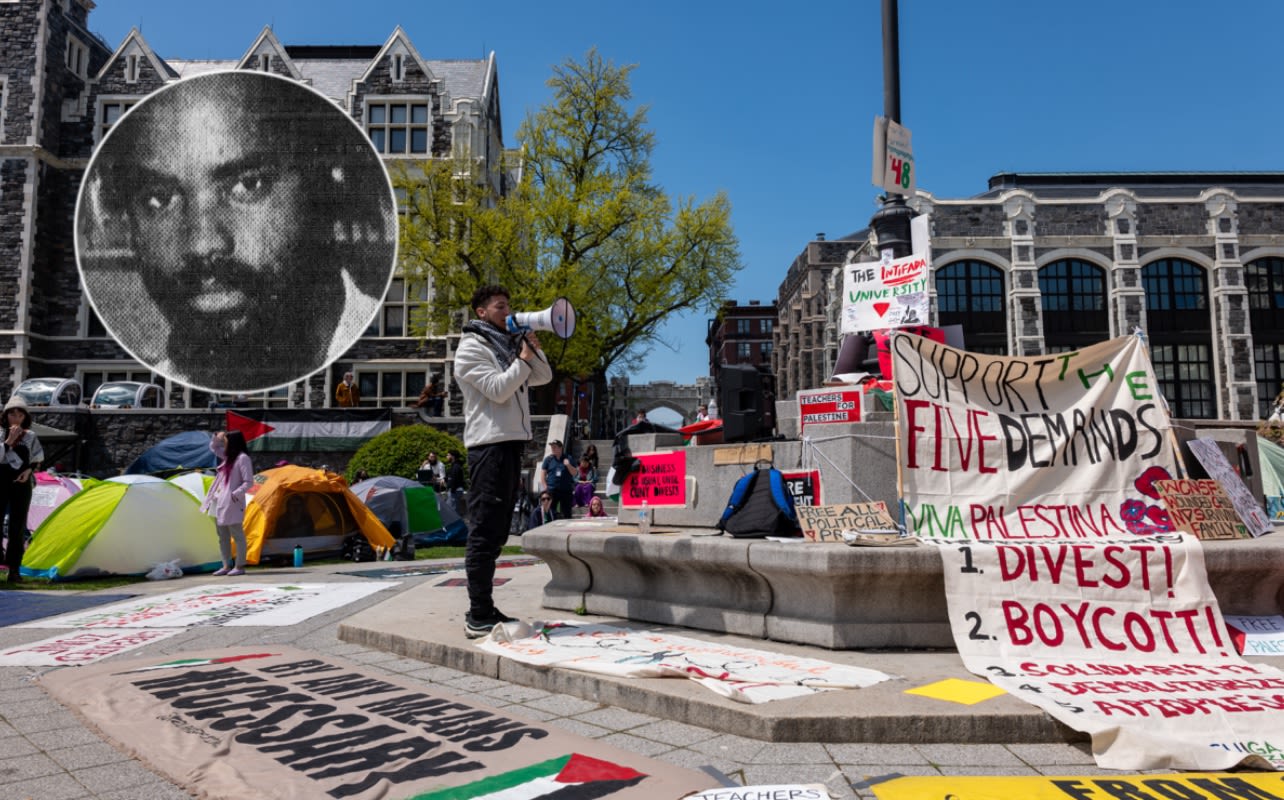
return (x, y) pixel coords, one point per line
(810, 450)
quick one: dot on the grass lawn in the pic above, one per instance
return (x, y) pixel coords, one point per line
(112, 581)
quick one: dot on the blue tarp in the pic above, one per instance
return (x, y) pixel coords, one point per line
(188, 450)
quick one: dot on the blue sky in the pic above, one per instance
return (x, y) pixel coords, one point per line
(774, 102)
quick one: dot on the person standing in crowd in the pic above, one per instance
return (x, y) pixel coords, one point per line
(494, 370)
(347, 394)
(543, 513)
(20, 456)
(702, 412)
(455, 484)
(226, 498)
(559, 479)
(590, 452)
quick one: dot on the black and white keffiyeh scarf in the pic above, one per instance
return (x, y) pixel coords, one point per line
(503, 343)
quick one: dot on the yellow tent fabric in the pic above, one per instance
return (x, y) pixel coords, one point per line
(334, 510)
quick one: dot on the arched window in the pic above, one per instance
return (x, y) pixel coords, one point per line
(972, 294)
(1264, 279)
(1179, 328)
(1074, 305)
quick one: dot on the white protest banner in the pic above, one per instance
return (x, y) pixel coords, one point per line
(1219, 469)
(885, 295)
(82, 647)
(1122, 640)
(219, 604)
(1041, 447)
(738, 673)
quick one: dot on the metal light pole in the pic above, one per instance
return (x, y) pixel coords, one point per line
(891, 223)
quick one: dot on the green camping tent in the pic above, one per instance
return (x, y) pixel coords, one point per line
(123, 528)
(1272, 458)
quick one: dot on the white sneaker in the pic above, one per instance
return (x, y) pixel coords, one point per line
(222, 570)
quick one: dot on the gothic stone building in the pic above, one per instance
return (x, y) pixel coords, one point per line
(1044, 263)
(62, 88)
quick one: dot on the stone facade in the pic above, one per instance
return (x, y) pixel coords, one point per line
(806, 338)
(60, 86)
(1188, 259)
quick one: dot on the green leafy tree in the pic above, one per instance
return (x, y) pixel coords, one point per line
(586, 221)
(401, 450)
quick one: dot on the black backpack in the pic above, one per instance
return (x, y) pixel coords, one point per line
(760, 506)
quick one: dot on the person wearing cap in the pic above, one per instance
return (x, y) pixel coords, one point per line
(20, 454)
(559, 479)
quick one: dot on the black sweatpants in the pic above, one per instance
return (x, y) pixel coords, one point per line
(15, 500)
(496, 471)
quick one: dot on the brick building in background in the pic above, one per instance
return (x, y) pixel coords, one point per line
(62, 88)
(1044, 263)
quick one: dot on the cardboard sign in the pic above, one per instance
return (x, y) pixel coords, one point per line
(886, 294)
(804, 486)
(1201, 508)
(741, 454)
(1256, 636)
(1219, 469)
(834, 404)
(661, 481)
(826, 524)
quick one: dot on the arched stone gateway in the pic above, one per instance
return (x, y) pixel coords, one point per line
(627, 399)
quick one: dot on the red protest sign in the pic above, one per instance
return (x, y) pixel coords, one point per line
(661, 481)
(835, 404)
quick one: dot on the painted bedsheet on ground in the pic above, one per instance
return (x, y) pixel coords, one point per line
(19, 607)
(220, 604)
(748, 676)
(80, 647)
(288, 724)
(1122, 640)
(1042, 447)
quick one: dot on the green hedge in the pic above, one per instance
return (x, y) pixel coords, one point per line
(401, 450)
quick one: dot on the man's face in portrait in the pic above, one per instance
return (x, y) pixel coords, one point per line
(253, 216)
(218, 231)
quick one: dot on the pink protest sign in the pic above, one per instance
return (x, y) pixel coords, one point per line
(662, 481)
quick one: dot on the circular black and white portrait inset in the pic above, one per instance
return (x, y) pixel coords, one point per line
(236, 231)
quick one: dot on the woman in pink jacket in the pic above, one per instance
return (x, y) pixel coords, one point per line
(227, 498)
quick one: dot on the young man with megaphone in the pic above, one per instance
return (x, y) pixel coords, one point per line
(494, 368)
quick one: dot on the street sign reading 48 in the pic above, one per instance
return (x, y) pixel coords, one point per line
(893, 158)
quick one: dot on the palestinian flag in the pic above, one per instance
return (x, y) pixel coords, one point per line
(572, 777)
(196, 662)
(307, 429)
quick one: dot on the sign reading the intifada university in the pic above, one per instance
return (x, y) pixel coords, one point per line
(1066, 445)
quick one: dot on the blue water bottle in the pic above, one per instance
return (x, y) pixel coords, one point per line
(298, 555)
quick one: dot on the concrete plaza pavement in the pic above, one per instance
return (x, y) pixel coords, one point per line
(414, 631)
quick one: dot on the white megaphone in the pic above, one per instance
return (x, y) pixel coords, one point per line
(558, 318)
